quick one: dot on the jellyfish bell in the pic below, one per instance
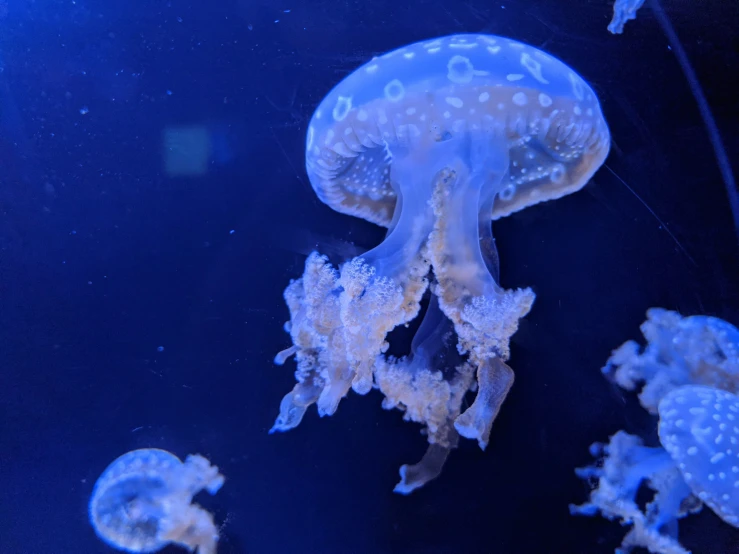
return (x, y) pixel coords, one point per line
(697, 427)
(433, 141)
(547, 117)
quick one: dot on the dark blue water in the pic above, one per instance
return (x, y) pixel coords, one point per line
(143, 309)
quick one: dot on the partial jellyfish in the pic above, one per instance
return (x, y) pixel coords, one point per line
(688, 373)
(433, 141)
(698, 350)
(143, 501)
(623, 12)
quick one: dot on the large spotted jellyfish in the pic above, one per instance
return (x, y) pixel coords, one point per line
(433, 141)
(689, 371)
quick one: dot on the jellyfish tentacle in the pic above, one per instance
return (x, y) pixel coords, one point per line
(383, 288)
(485, 315)
(494, 379)
(315, 328)
(429, 387)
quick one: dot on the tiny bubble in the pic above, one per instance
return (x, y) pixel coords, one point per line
(89, 282)
(231, 232)
(160, 349)
(84, 110)
(73, 232)
(169, 93)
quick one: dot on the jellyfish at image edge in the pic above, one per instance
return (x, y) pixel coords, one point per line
(623, 12)
(697, 350)
(434, 141)
(689, 374)
(696, 464)
(143, 501)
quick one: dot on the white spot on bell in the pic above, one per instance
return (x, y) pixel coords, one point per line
(394, 90)
(508, 192)
(577, 86)
(533, 67)
(460, 70)
(311, 137)
(342, 107)
(519, 99)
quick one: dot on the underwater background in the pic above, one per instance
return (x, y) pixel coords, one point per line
(154, 205)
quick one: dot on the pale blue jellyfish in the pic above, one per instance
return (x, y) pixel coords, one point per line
(700, 350)
(433, 141)
(143, 501)
(688, 374)
(697, 464)
(623, 12)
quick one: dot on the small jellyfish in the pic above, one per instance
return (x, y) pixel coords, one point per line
(696, 464)
(623, 12)
(433, 141)
(143, 501)
(699, 350)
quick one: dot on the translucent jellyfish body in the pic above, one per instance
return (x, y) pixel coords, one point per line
(143, 502)
(698, 463)
(699, 350)
(434, 141)
(623, 12)
(688, 371)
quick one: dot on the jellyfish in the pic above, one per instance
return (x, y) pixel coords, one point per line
(699, 349)
(142, 502)
(433, 141)
(623, 12)
(696, 464)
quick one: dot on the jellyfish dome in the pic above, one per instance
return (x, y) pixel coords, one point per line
(433, 141)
